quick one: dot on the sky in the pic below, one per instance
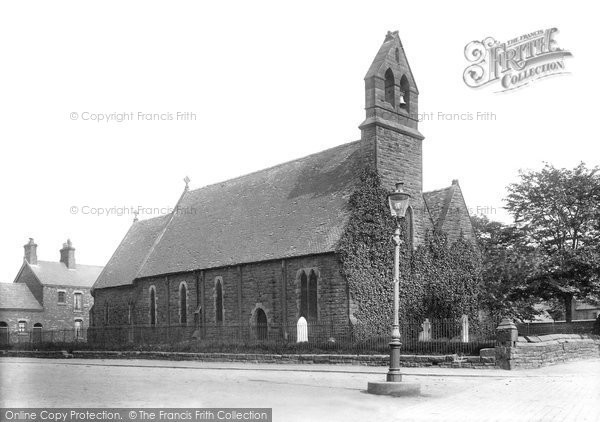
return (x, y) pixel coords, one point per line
(263, 83)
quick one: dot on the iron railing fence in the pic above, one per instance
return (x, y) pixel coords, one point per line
(445, 337)
(40, 336)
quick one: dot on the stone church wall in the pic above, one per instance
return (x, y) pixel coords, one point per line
(272, 286)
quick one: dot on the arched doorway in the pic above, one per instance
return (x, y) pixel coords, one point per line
(37, 332)
(3, 332)
(261, 324)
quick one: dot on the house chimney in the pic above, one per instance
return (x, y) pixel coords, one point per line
(30, 252)
(67, 254)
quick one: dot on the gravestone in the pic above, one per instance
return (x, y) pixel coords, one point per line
(301, 330)
(464, 329)
(425, 334)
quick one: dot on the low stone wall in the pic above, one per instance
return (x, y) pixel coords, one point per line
(538, 351)
(582, 326)
(486, 360)
(45, 354)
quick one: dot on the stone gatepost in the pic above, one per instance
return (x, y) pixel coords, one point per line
(507, 335)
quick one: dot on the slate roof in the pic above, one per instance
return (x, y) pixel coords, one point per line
(57, 274)
(131, 253)
(18, 296)
(438, 202)
(293, 209)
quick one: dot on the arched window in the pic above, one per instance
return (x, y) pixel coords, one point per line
(153, 310)
(106, 313)
(405, 92)
(261, 324)
(312, 296)
(397, 54)
(183, 303)
(130, 307)
(410, 231)
(303, 295)
(218, 301)
(389, 88)
(308, 295)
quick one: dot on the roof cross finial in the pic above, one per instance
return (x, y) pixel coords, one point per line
(390, 35)
(187, 181)
(135, 216)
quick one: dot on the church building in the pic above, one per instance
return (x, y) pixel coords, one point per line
(260, 249)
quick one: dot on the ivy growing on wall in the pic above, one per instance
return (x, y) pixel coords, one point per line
(437, 280)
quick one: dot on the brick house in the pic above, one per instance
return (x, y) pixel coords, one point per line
(260, 249)
(47, 295)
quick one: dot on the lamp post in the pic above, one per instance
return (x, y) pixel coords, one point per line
(398, 202)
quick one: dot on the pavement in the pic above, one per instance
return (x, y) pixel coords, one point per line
(567, 392)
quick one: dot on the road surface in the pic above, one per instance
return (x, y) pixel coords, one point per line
(568, 392)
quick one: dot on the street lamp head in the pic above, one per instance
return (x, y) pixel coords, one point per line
(398, 201)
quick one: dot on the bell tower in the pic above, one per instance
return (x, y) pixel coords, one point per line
(390, 139)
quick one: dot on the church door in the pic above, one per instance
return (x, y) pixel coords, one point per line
(261, 324)
(37, 333)
(3, 332)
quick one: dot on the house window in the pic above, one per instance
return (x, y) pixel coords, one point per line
(183, 303)
(219, 300)
(389, 88)
(152, 306)
(308, 295)
(78, 328)
(78, 301)
(22, 326)
(62, 297)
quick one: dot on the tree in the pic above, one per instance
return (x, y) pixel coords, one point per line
(558, 213)
(507, 262)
